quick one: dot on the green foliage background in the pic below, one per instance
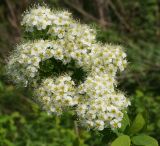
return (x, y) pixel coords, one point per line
(23, 123)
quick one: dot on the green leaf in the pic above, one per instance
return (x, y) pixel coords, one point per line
(144, 140)
(137, 124)
(125, 122)
(123, 140)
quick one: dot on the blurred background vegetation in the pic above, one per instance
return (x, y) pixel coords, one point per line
(133, 24)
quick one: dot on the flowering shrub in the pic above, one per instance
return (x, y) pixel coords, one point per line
(68, 69)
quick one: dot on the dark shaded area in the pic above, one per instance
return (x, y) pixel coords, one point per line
(53, 67)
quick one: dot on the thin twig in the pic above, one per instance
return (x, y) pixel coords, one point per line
(123, 21)
(100, 5)
(76, 128)
(13, 18)
(84, 13)
(121, 7)
(81, 11)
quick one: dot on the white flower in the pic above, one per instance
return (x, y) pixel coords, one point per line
(99, 124)
(115, 124)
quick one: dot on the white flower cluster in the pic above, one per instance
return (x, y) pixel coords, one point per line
(23, 64)
(100, 105)
(95, 100)
(57, 94)
(77, 40)
(40, 18)
(109, 60)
